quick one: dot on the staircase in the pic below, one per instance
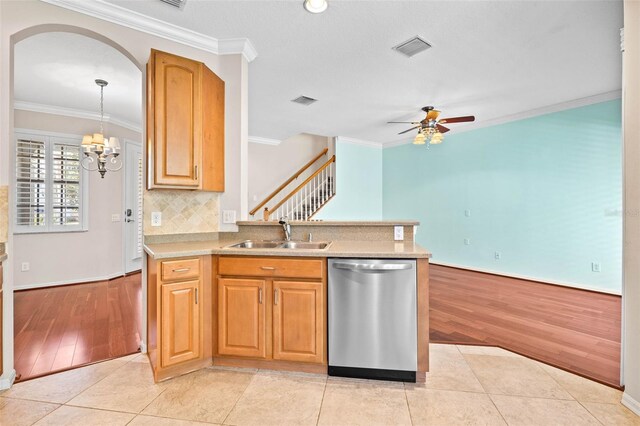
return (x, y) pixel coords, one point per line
(307, 198)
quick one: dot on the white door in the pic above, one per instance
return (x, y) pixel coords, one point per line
(133, 206)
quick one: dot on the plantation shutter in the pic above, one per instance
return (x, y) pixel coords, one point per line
(31, 174)
(65, 180)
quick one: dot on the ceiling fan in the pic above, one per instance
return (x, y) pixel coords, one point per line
(431, 129)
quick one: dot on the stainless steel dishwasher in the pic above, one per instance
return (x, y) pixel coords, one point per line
(373, 319)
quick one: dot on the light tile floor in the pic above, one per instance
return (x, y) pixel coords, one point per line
(466, 385)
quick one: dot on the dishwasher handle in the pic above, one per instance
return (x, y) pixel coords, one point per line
(382, 267)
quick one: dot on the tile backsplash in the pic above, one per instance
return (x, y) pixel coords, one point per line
(4, 213)
(183, 212)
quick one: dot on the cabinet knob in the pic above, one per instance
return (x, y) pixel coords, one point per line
(267, 268)
(181, 270)
(260, 295)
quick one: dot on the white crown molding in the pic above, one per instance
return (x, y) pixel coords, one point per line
(264, 141)
(137, 21)
(354, 141)
(75, 113)
(576, 103)
(631, 403)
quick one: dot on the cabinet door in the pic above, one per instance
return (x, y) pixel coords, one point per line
(241, 317)
(298, 321)
(180, 322)
(176, 114)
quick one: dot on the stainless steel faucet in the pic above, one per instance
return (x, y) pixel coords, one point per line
(287, 228)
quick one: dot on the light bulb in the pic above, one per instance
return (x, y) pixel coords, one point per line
(419, 139)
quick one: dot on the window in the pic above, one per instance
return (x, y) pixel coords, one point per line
(50, 184)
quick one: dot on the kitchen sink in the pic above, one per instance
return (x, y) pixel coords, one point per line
(304, 245)
(249, 244)
(290, 245)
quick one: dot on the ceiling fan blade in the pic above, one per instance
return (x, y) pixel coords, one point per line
(458, 119)
(442, 129)
(408, 130)
(433, 114)
(403, 122)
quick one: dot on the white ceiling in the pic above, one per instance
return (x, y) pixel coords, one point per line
(489, 58)
(59, 69)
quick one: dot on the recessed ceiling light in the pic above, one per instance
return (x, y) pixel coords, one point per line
(315, 6)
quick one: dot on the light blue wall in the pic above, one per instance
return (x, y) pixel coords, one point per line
(358, 184)
(545, 192)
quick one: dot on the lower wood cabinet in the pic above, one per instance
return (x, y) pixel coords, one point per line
(179, 315)
(180, 322)
(272, 309)
(298, 315)
(242, 317)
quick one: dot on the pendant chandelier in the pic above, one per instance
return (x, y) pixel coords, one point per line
(101, 153)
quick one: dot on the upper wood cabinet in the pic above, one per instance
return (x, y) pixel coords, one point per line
(185, 124)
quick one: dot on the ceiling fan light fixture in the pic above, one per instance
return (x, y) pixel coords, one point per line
(436, 138)
(315, 6)
(419, 139)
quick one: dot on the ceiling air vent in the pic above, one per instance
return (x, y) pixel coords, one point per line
(412, 46)
(177, 3)
(304, 100)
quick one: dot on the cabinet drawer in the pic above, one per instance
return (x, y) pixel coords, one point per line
(271, 267)
(180, 269)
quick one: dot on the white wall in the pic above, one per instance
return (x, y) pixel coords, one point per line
(271, 165)
(631, 268)
(72, 257)
(18, 19)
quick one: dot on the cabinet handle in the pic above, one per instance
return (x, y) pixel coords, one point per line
(196, 295)
(267, 268)
(275, 296)
(181, 270)
(196, 171)
(260, 295)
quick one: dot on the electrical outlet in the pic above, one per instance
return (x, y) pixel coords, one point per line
(467, 242)
(467, 213)
(115, 217)
(24, 266)
(497, 255)
(156, 218)
(228, 216)
(398, 233)
(595, 267)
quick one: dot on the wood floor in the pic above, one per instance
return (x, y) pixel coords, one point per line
(572, 329)
(58, 328)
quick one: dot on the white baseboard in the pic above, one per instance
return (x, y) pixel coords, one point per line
(631, 403)
(69, 282)
(143, 347)
(524, 277)
(6, 382)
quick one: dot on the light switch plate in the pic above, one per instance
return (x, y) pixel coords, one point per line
(467, 242)
(156, 218)
(24, 266)
(228, 216)
(398, 233)
(115, 217)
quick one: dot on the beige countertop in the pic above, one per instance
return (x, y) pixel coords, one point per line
(331, 223)
(367, 249)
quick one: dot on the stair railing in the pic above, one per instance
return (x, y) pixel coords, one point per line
(308, 197)
(288, 181)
